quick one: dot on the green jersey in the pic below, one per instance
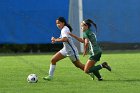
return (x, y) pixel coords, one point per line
(94, 48)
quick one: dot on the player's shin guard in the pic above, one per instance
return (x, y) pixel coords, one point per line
(95, 70)
(52, 69)
(97, 74)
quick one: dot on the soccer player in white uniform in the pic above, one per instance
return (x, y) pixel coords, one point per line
(68, 50)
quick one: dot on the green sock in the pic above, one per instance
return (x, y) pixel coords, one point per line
(95, 70)
(97, 74)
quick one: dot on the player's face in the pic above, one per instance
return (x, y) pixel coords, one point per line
(59, 24)
(84, 27)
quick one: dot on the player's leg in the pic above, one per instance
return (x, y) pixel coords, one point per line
(74, 57)
(78, 64)
(90, 68)
(58, 56)
(95, 71)
(88, 65)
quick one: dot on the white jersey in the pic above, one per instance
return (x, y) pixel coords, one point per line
(69, 49)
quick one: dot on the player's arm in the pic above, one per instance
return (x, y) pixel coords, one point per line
(64, 39)
(86, 41)
(77, 38)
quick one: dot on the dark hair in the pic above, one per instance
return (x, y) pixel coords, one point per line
(89, 22)
(62, 19)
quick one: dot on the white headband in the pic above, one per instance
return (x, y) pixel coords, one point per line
(84, 22)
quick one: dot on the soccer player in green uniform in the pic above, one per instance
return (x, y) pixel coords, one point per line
(90, 43)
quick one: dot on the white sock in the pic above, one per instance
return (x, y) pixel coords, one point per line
(51, 70)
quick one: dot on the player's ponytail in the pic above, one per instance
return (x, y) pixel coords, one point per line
(62, 19)
(89, 22)
(69, 27)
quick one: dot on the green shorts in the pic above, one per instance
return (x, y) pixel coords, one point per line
(95, 57)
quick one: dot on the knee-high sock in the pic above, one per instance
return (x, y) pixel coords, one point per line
(97, 74)
(52, 69)
(95, 70)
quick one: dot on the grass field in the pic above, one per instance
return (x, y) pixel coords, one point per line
(124, 78)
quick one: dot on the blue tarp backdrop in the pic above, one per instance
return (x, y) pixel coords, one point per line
(33, 21)
(118, 21)
(30, 21)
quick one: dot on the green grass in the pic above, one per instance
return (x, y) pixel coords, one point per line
(124, 78)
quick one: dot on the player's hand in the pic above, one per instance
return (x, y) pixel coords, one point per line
(53, 40)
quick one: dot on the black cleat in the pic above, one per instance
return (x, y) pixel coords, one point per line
(100, 79)
(105, 65)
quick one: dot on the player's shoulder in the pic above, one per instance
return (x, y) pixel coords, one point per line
(65, 28)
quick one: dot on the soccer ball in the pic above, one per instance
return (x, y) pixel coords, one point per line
(32, 78)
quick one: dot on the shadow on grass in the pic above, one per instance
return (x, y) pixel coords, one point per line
(130, 82)
(124, 80)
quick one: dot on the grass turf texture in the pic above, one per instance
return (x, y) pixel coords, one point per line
(124, 78)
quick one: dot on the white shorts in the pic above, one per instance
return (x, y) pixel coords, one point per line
(73, 55)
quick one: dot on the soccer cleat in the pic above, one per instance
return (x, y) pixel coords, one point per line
(100, 79)
(91, 75)
(49, 78)
(105, 65)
